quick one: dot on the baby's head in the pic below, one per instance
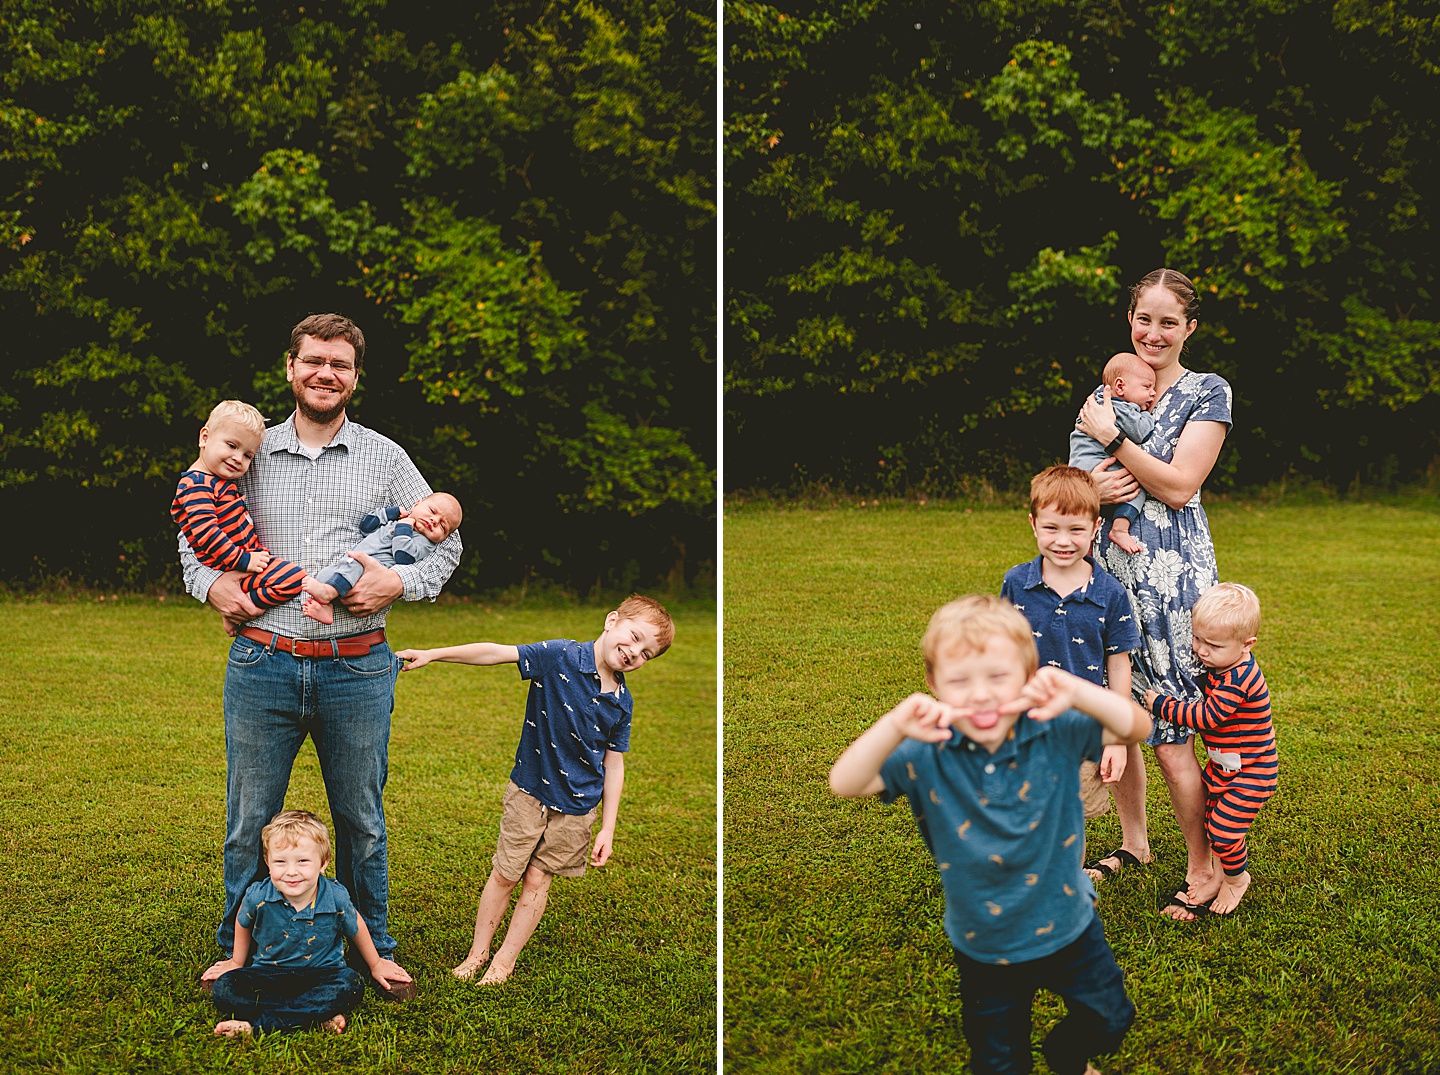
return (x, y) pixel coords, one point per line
(1224, 625)
(297, 850)
(1130, 378)
(436, 517)
(638, 630)
(230, 438)
(979, 653)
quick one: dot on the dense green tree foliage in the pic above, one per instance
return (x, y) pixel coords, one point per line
(513, 200)
(935, 211)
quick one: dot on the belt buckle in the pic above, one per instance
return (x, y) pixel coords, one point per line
(302, 647)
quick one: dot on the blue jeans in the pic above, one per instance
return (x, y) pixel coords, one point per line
(283, 998)
(997, 1001)
(272, 702)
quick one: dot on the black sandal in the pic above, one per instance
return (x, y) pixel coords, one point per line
(1107, 872)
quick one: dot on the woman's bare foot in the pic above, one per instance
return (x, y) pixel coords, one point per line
(335, 1024)
(470, 966)
(1232, 889)
(497, 973)
(1193, 900)
(1115, 862)
(233, 1028)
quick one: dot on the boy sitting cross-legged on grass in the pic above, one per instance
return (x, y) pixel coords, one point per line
(990, 765)
(293, 922)
(1234, 721)
(570, 761)
(1081, 619)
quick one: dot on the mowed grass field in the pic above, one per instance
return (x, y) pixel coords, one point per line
(112, 811)
(835, 957)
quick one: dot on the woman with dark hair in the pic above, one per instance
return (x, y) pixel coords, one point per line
(1175, 565)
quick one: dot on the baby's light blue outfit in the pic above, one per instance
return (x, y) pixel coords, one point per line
(1087, 453)
(389, 539)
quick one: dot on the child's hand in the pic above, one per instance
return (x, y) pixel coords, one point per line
(1113, 760)
(600, 853)
(259, 561)
(386, 971)
(1150, 697)
(924, 718)
(413, 659)
(225, 966)
(1047, 694)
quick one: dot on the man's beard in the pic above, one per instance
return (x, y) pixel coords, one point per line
(314, 414)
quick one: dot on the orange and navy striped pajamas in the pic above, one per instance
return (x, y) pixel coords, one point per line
(1234, 721)
(212, 513)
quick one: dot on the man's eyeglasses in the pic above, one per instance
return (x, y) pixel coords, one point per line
(314, 363)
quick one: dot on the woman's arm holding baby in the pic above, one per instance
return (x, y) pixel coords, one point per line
(1172, 483)
(481, 653)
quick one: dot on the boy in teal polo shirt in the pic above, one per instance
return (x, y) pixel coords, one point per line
(990, 763)
(293, 923)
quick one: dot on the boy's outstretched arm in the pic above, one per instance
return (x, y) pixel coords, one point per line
(1050, 692)
(382, 970)
(609, 807)
(481, 653)
(920, 717)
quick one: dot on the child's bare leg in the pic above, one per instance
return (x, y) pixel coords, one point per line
(318, 600)
(494, 899)
(233, 1028)
(1232, 890)
(528, 909)
(1120, 535)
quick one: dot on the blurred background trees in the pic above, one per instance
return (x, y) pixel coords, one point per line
(935, 211)
(515, 201)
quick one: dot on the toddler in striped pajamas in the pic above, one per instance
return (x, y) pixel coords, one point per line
(1233, 719)
(212, 512)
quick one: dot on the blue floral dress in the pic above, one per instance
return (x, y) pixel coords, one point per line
(1177, 562)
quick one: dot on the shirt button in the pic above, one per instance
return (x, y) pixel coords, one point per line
(990, 768)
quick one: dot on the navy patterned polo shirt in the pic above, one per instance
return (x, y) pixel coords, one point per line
(1078, 631)
(569, 724)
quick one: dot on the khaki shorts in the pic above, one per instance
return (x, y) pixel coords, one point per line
(532, 832)
(1093, 792)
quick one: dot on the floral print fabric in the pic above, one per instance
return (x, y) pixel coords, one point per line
(1177, 561)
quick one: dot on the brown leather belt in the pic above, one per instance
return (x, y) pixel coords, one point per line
(351, 646)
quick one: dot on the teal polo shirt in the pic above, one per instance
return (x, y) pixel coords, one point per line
(1007, 831)
(281, 936)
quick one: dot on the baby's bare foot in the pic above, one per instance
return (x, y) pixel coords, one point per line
(233, 1028)
(335, 1024)
(317, 610)
(1232, 890)
(1125, 541)
(497, 973)
(471, 965)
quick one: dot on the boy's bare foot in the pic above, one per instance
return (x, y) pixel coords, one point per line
(317, 610)
(233, 1028)
(470, 965)
(497, 973)
(1125, 541)
(335, 1024)
(1232, 890)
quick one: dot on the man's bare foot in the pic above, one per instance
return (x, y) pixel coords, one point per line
(1232, 889)
(1125, 541)
(317, 610)
(335, 1024)
(470, 965)
(497, 973)
(233, 1028)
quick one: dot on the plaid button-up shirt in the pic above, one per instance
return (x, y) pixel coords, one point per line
(309, 511)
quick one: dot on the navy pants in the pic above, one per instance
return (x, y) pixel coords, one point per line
(282, 998)
(997, 1004)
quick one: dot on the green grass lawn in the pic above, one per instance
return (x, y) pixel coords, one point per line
(835, 957)
(112, 776)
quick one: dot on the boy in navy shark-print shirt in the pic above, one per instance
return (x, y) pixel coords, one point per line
(570, 764)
